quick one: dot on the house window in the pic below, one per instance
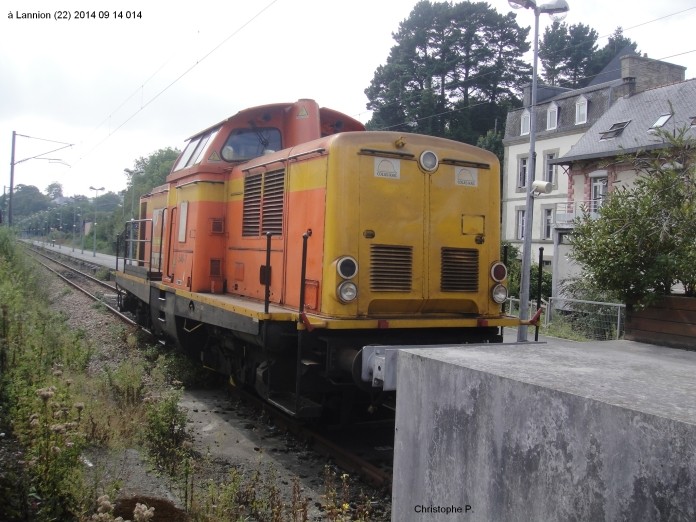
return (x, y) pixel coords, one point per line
(522, 164)
(581, 110)
(547, 223)
(549, 168)
(552, 117)
(614, 131)
(599, 192)
(520, 225)
(524, 124)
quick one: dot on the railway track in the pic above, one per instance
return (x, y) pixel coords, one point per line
(362, 449)
(96, 289)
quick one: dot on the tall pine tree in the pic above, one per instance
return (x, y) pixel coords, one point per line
(454, 70)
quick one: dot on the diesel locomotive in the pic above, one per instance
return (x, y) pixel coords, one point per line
(287, 237)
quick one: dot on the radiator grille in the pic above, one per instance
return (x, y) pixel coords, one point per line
(272, 213)
(263, 204)
(459, 270)
(251, 218)
(391, 268)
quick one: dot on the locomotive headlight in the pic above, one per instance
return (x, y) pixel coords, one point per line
(428, 161)
(498, 271)
(499, 294)
(347, 292)
(347, 267)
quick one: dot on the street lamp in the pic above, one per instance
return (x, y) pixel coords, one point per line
(557, 9)
(96, 194)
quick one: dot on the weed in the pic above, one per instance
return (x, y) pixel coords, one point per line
(126, 382)
(165, 432)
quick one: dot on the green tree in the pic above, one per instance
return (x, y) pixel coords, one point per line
(146, 174)
(454, 70)
(552, 51)
(492, 141)
(616, 45)
(644, 239)
(566, 54)
(26, 200)
(54, 190)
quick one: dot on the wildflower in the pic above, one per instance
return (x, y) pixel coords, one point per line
(58, 428)
(104, 505)
(142, 513)
(45, 394)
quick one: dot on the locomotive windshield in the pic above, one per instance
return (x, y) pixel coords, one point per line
(193, 154)
(245, 144)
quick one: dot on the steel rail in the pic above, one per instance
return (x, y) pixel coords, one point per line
(111, 309)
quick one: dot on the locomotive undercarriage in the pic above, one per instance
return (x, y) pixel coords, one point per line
(307, 374)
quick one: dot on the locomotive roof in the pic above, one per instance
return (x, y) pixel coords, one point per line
(347, 123)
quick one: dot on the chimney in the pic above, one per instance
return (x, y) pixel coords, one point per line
(640, 73)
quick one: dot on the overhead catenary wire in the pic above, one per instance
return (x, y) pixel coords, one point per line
(173, 82)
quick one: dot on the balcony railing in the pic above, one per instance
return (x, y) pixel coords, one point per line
(567, 212)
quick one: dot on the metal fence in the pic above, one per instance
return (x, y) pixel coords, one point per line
(578, 319)
(589, 319)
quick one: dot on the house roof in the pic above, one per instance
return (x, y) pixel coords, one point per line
(598, 96)
(612, 70)
(642, 111)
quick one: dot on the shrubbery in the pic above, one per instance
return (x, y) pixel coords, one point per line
(644, 240)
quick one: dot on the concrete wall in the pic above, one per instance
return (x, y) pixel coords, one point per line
(538, 432)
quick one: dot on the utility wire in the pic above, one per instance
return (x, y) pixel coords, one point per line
(173, 82)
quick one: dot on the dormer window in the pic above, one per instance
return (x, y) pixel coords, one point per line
(524, 123)
(552, 116)
(581, 110)
(614, 131)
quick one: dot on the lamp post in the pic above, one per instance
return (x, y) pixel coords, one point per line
(74, 226)
(557, 9)
(96, 194)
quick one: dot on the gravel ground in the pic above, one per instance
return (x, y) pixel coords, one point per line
(225, 432)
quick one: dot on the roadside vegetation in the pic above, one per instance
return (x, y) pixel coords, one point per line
(56, 409)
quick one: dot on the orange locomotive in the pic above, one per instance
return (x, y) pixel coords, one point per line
(287, 238)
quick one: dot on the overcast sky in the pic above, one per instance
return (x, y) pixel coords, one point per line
(119, 89)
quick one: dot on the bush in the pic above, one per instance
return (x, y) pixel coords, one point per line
(644, 240)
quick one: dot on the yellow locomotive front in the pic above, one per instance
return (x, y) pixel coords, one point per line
(411, 238)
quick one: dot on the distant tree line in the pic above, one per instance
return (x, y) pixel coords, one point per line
(50, 215)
